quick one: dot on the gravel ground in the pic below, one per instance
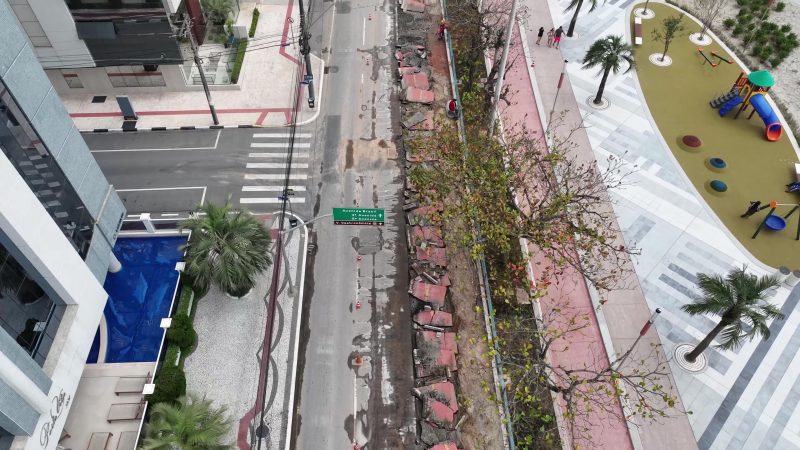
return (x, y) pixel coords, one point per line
(225, 365)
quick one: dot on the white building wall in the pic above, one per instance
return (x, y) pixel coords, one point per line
(27, 224)
(52, 19)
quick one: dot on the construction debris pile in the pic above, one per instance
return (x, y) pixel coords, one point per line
(435, 339)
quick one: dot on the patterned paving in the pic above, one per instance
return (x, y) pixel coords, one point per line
(746, 399)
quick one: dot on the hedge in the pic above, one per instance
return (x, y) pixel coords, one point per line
(254, 22)
(186, 301)
(170, 384)
(172, 358)
(181, 332)
(237, 64)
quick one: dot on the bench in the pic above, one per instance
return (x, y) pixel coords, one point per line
(99, 441)
(637, 31)
(797, 171)
(127, 440)
(125, 411)
(131, 385)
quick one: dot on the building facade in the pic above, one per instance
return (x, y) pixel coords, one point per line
(98, 47)
(59, 219)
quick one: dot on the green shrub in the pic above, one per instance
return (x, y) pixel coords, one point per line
(172, 356)
(742, 2)
(190, 283)
(181, 332)
(744, 19)
(776, 61)
(786, 28)
(254, 22)
(186, 301)
(170, 384)
(780, 6)
(237, 64)
(729, 23)
(756, 51)
(737, 30)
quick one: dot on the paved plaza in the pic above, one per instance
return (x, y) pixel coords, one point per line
(748, 398)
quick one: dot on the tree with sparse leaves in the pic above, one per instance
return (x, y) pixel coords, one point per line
(707, 11)
(671, 27)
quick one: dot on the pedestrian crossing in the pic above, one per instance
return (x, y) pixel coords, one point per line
(266, 169)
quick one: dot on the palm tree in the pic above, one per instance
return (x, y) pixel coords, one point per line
(577, 4)
(736, 299)
(191, 424)
(609, 53)
(217, 10)
(228, 247)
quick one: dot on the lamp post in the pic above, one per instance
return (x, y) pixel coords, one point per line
(642, 332)
(558, 89)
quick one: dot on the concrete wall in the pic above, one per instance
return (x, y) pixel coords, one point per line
(28, 227)
(96, 82)
(52, 31)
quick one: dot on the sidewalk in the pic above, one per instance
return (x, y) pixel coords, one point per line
(263, 96)
(616, 326)
(227, 362)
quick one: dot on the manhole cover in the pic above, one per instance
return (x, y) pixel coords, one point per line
(262, 431)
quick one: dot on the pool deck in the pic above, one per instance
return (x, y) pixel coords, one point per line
(94, 397)
(747, 398)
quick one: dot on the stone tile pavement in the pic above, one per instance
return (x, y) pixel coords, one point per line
(746, 399)
(263, 96)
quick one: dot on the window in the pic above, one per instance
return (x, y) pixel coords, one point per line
(27, 313)
(134, 76)
(72, 79)
(33, 161)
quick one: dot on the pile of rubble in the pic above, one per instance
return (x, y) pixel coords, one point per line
(435, 339)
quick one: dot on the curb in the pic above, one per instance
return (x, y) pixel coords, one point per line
(181, 128)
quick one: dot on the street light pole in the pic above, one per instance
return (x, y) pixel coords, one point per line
(305, 50)
(498, 86)
(193, 44)
(558, 89)
(642, 332)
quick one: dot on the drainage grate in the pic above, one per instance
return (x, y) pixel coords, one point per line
(99, 99)
(262, 431)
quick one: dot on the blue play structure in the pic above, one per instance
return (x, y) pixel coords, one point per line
(729, 105)
(767, 115)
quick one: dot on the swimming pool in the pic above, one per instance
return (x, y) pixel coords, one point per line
(139, 296)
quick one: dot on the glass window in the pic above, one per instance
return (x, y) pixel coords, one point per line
(27, 313)
(134, 76)
(22, 146)
(72, 79)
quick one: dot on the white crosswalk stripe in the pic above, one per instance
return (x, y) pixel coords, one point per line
(266, 170)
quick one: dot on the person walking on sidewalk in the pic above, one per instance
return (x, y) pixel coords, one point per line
(539, 36)
(557, 37)
(550, 35)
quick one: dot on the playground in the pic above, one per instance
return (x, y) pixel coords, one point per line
(729, 161)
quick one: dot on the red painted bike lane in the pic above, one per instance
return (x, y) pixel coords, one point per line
(600, 425)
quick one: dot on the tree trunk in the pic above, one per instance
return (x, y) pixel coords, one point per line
(599, 98)
(692, 356)
(574, 20)
(666, 47)
(703, 31)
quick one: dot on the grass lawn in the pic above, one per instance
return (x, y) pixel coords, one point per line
(757, 169)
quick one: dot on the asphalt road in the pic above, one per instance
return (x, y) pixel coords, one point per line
(168, 172)
(340, 404)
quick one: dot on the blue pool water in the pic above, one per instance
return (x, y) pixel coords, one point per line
(139, 296)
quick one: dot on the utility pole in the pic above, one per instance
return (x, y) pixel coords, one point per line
(305, 50)
(202, 73)
(498, 86)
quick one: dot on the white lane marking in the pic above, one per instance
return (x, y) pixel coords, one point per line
(169, 215)
(279, 145)
(269, 200)
(274, 176)
(279, 155)
(364, 33)
(119, 150)
(281, 135)
(271, 188)
(161, 189)
(275, 166)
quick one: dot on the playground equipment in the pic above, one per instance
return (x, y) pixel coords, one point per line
(719, 58)
(750, 90)
(777, 223)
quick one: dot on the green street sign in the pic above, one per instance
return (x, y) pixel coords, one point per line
(358, 216)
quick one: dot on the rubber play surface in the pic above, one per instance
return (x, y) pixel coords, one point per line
(678, 98)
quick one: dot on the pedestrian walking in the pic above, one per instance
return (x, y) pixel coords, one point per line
(557, 37)
(539, 36)
(550, 37)
(753, 208)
